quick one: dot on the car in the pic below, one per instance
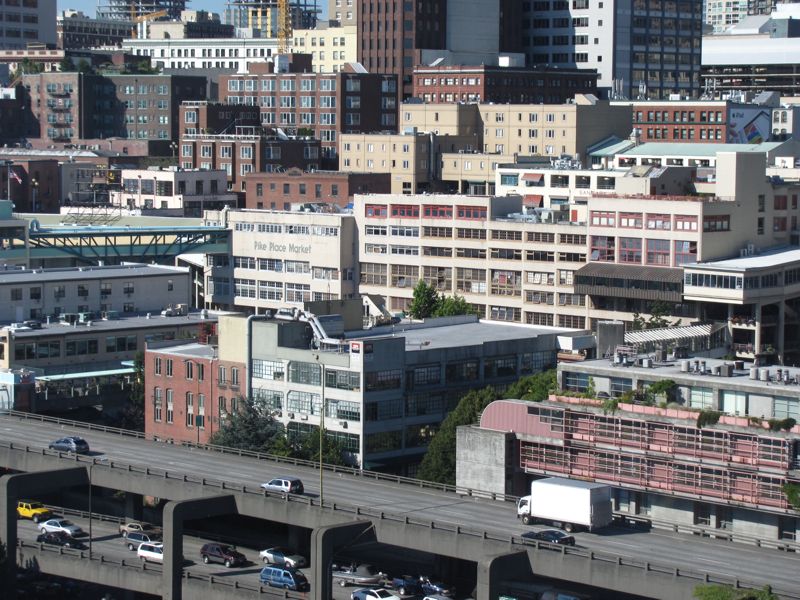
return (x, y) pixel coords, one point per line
(151, 553)
(420, 584)
(354, 574)
(287, 485)
(134, 538)
(59, 538)
(67, 527)
(35, 511)
(72, 443)
(131, 526)
(553, 536)
(373, 594)
(222, 553)
(283, 557)
(431, 586)
(284, 577)
(32, 324)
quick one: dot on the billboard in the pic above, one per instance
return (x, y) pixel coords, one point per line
(749, 125)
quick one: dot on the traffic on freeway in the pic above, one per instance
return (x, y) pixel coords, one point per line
(748, 563)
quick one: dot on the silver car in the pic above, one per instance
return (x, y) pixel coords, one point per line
(62, 525)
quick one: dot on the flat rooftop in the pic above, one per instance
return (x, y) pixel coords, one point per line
(28, 276)
(774, 257)
(456, 335)
(190, 350)
(696, 149)
(122, 324)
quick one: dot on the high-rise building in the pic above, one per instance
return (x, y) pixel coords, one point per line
(648, 48)
(29, 22)
(129, 10)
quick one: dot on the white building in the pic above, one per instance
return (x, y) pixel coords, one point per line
(330, 47)
(27, 23)
(190, 191)
(204, 53)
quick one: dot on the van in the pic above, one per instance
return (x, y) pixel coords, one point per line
(284, 577)
(135, 538)
(151, 552)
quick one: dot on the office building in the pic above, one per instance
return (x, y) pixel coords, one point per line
(320, 104)
(65, 107)
(30, 22)
(234, 55)
(331, 46)
(123, 10)
(283, 189)
(77, 31)
(193, 24)
(644, 49)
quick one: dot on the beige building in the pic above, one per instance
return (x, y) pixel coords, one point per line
(344, 11)
(443, 119)
(281, 259)
(472, 173)
(330, 47)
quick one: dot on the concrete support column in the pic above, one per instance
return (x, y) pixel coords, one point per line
(297, 538)
(758, 328)
(24, 486)
(781, 331)
(494, 570)
(325, 542)
(134, 506)
(175, 514)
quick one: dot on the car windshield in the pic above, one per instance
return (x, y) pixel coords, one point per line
(64, 523)
(37, 505)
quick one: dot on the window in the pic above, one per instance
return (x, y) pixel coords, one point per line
(717, 223)
(658, 252)
(234, 376)
(170, 407)
(169, 367)
(603, 218)
(630, 250)
(157, 367)
(602, 248)
(189, 409)
(157, 405)
(659, 221)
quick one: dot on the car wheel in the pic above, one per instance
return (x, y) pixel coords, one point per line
(124, 534)
(342, 583)
(526, 520)
(266, 560)
(35, 519)
(227, 564)
(130, 547)
(402, 591)
(144, 560)
(43, 530)
(569, 527)
(205, 559)
(67, 545)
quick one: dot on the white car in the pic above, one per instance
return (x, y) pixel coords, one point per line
(287, 485)
(282, 557)
(150, 552)
(374, 594)
(63, 525)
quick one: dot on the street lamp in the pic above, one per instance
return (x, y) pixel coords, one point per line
(8, 164)
(91, 465)
(321, 431)
(174, 147)
(140, 191)
(34, 189)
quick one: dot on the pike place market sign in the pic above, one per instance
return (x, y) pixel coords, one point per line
(283, 248)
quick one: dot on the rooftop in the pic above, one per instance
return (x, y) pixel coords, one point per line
(696, 149)
(19, 276)
(188, 350)
(773, 257)
(121, 324)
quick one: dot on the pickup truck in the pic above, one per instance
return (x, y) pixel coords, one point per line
(356, 575)
(131, 526)
(35, 511)
(422, 584)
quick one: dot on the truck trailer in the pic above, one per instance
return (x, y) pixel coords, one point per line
(567, 503)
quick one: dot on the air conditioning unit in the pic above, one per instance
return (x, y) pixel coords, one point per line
(290, 415)
(343, 424)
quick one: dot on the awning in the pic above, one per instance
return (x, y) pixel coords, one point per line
(534, 177)
(667, 334)
(631, 272)
(533, 200)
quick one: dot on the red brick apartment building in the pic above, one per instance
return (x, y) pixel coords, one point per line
(483, 83)
(277, 191)
(189, 390)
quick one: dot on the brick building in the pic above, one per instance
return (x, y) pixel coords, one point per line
(281, 190)
(10, 115)
(484, 83)
(75, 30)
(322, 104)
(239, 149)
(35, 188)
(191, 386)
(71, 106)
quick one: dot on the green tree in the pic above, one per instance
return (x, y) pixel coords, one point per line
(659, 310)
(250, 428)
(425, 301)
(534, 388)
(724, 592)
(132, 415)
(84, 66)
(792, 492)
(307, 448)
(66, 65)
(439, 463)
(450, 306)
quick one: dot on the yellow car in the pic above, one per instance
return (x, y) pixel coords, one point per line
(35, 511)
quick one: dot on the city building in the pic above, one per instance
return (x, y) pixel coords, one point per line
(186, 191)
(261, 19)
(756, 55)
(665, 468)
(34, 183)
(232, 54)
(722, 14)
(664, 43)
(280, 259)
(467, 32)
(123, 10)
(25, 23)
(77, 31)
(10, 115)
(52, 293)
(343, 11)
(331, 46)
(516, 85)
(318, 104)
(282, 189)
(192, 24)
(65, 107)
(45, 59)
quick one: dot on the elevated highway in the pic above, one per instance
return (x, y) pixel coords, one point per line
(652, 564)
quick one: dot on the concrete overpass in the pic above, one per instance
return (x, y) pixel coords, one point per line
(392, 514)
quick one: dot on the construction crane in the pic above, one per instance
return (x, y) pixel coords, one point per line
(144, 18)
(284, 26)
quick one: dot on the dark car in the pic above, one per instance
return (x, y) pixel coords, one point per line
(134, 538)
(553, 536)
(72, 443)
(59, 538)
(222, 553)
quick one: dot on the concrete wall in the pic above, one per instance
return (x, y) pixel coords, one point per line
(482, 461)
(672, 510)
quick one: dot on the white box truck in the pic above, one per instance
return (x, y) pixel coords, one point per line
(567, 503)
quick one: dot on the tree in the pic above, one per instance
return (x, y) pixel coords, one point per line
(450, 306)
(307, 448)
(249, 429)
(792, 492)
(66, 65)
(534, 388)
(425, 302)
(132, 416)
(84, 66)
(724, 592)
(659, 310)
(439, 463)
